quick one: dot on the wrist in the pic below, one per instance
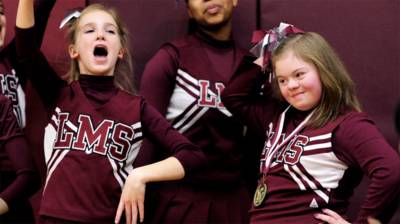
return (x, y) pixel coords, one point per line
(139, 175)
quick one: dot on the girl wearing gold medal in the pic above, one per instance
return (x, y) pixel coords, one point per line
(318, 142)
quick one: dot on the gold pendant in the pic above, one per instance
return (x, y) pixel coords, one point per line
(260, 194)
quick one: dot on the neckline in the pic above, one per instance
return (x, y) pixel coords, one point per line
(222, 44)
(105, 85)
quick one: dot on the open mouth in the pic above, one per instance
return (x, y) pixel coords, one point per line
(100, 51)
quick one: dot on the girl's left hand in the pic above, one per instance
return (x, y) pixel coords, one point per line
(330, 217)
(132, 199)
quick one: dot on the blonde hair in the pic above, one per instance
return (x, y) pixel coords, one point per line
(123, 73)
(338, 91)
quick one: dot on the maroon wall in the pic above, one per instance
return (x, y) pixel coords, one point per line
(365, 33)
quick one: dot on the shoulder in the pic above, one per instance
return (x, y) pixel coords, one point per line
(354, 118)
(185, 41)
(356, 127)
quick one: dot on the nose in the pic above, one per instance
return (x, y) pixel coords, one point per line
(100, 35)
(293, 84)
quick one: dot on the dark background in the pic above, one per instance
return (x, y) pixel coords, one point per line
(365, 33)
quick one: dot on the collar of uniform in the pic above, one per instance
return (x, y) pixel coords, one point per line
(96, 82)
(213, 42)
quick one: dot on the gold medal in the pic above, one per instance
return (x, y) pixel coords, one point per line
(260, 194)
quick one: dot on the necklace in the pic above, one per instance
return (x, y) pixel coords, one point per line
(262, 188)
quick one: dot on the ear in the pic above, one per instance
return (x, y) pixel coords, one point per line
(72, 52)
(121, 53)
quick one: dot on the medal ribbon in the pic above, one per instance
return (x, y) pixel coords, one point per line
(269, 155)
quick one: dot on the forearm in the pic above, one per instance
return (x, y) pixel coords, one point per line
(242, 97)
(359, 143)
(25, 14)
(42, 13)
(169, 141)
(383, 195)
(26, 183)
(165, 170)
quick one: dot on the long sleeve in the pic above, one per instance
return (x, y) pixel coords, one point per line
(359, 143)
(156, 87)
(12, 141)
(27, 180)
(158, 78)
(158, 130)
(42, 12)
(242, 97)
(35, 65)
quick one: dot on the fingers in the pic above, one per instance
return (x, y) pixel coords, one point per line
(134, 213)
(119, 212)
(141, 211)
(128, 212)
(331, 213)
(325, 218)
(331, 217)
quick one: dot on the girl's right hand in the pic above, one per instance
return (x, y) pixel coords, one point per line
(132, 199)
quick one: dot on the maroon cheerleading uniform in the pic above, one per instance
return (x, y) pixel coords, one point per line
(12, 85)
(184, 81)
(13, 144)
(317, 168)
(92, 139)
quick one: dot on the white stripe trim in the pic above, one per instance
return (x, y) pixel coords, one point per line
(311, 184)
(297, 180)
(136, 125)
(320, 137)
(193, 120)
(194, 108)
(322, 195)
(137, 134)
(318, 146)
(50, 172)
(188, 86)
(115, 172)
(188, 77)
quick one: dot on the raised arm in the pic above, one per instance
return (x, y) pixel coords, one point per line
(42, 13)
(242, 97)
(25, 14)
(31, 61)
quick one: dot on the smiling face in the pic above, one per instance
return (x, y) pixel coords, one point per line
(299, 81)
(3, 24)
(210, 13)
(98, 46)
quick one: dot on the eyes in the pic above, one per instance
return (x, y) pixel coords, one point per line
(296, 77)
(90, 29)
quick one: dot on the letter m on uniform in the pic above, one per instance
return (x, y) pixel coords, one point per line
(89, 138)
